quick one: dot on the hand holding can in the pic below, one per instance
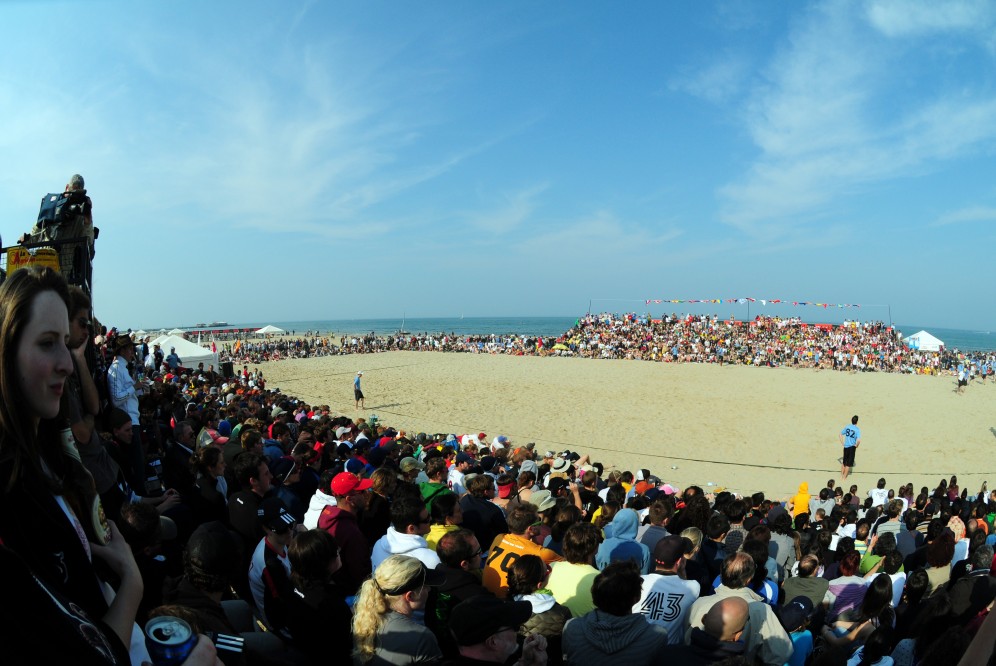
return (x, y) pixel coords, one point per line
(169, 640)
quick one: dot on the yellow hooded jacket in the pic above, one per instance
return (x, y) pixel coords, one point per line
(800, 502)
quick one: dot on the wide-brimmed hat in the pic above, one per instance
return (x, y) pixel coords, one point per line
(408, 464)
(123, 342)
(543, 500)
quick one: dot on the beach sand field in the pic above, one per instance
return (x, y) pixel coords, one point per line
(742, 428)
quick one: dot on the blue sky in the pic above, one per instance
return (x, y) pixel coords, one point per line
(260, 161)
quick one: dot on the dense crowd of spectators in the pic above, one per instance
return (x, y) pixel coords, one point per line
(763, 341)
(277, 532)
(349, 539)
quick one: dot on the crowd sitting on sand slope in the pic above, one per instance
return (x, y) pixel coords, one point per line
(763, 341)
(238, 508)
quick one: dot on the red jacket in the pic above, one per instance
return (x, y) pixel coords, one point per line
(353, 547)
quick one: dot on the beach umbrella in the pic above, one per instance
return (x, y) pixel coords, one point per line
(560, 346)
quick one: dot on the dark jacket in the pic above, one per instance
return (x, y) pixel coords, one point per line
(483, 518)
(34, 526)
(207, 503)
(376, 518)
(548, 620)
(242, 507)
(970, 594)
(210, 614)
(354, 549)
(704, 649)
(242, 518)
(459, 586)
(598, 638)
(176, 470)
(320, 623)
(35, 614)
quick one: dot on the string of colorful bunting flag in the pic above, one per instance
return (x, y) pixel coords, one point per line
(742, 301)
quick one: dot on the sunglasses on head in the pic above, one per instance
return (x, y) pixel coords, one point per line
(416, 582)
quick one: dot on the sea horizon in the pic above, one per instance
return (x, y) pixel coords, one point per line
(550, 326)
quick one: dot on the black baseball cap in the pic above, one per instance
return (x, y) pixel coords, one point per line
(477, 618)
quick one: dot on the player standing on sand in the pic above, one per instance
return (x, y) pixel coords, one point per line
(850, 437)
(357, 393)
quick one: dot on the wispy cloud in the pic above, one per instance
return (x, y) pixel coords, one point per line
(902, 18)
(965, 215)
(510, 213)
(718, 81)
(601, 236)
(308, 136)
(819, 125)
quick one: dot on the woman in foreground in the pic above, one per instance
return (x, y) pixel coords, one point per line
(51, 525)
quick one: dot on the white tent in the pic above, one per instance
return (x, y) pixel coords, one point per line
(190, 354)
(269, 330)
(924, 341)
(140, 334)
(177, 331)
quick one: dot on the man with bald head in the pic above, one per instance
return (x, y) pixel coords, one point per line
(719, 638)
(763, 636)
(726, 620)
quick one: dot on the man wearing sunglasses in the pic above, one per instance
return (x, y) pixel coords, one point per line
(406, 535)
(340, 520)
(486, 630)
(460, 553)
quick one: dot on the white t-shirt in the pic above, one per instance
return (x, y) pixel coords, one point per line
(455, 481)
(879, 496)
(666, 600)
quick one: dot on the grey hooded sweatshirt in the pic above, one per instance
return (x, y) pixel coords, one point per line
(598, 636)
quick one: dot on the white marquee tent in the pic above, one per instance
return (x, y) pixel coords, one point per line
(270, 330)
(924, 341)
(176, 331)
(190, 354)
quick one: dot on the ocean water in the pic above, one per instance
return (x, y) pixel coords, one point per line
(954, 338)
(963, 340)
(544, 326)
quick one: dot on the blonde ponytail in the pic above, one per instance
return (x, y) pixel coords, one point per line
(373, 603)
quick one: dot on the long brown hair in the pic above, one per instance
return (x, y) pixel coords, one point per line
(21, 443)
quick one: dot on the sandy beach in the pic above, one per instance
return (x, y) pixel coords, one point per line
(742, 428)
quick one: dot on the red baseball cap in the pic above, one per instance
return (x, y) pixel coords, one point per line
(345, 483)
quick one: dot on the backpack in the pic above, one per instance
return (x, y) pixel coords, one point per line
(62, 207)
(65, 216)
